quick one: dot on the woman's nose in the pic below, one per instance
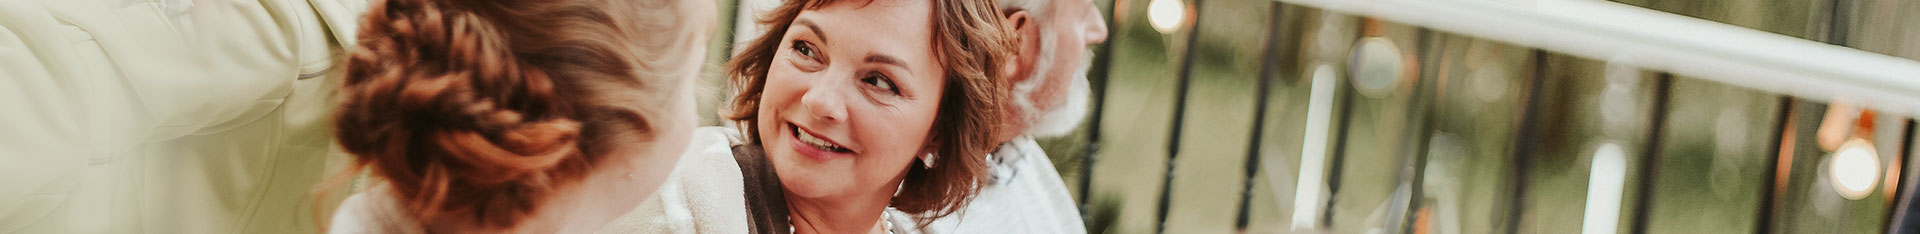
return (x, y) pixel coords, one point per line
(824, 102)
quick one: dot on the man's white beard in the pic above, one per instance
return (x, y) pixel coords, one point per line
(1066, 116)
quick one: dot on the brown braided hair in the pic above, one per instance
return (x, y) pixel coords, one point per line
(486, 107)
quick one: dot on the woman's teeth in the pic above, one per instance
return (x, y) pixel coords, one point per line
(818, 143)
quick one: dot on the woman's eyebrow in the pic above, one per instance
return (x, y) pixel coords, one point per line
(815, 28)
(886, 59)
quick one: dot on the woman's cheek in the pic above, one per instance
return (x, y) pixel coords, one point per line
(779, 81)
(894, 134)
(781, 89)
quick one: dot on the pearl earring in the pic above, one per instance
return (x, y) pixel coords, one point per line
(927, 161)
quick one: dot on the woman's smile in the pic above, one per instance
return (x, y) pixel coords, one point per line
(815, 146)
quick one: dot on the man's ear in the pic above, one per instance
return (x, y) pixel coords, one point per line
(1026, 36)
(1023, 27)
(1017, 20)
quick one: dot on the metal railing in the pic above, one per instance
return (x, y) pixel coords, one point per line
(1801, 70)
(1673, 45)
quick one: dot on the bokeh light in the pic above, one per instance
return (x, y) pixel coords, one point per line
(1166, 15)
(1854, 169)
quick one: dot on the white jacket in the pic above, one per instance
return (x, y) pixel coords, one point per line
(1027, 196)
(166, 116)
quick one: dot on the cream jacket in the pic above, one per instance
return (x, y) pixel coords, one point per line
(703, 195)
(166, 116)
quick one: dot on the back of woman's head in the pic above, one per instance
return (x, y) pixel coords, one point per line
(486, 107)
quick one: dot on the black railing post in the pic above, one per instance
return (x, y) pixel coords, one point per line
(1179, 116)
(1650, 152)
(1900, 218)
(1267, 60)
(1770, 199)
(1425, 98)
(1338, 160)
(1839, 22)
(1097, 78)
(1528, 137)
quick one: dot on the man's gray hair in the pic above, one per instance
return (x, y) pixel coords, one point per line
(1033, 7)
(1063, 119)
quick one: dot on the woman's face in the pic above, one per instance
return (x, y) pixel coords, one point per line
(850, 96)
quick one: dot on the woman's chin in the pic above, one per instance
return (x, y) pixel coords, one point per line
(807, 177)
(812, 187)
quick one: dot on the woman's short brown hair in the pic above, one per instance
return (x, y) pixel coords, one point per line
(486, 107)
(972, 45)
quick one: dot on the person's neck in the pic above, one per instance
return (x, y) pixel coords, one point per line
(605, 194)
(859, 213)
(1015, 123)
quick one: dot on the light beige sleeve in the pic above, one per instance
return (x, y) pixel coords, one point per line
(99, 101)
(39, 160)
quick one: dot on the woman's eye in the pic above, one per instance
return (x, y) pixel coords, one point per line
(880, 81)
(804, 48)
(809, 58)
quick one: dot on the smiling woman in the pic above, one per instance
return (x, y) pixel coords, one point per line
(860, 109)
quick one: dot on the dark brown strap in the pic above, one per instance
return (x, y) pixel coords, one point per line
(766, 200)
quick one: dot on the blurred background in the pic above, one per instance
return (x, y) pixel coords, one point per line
(1253, 116)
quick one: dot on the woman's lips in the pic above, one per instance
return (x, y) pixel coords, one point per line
(813, 146)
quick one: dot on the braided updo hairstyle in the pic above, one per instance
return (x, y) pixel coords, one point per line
(486, 107)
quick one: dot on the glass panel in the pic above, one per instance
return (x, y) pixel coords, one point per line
(1214, 138)
(1286, 122)
(1468, 180)
(1786, 17)
(1135, 122)
(1584, 153)
(1713, 159)
(1591, 115)
(1141, 96)
(1381, 77)
(1887, 27)
(1837, 184)
(1315, 103)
